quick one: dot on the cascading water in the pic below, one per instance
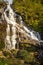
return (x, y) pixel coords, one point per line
(33, 35)
(10, 40)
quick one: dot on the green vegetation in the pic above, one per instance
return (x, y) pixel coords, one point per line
(23, 56)
(31, 12)
(2, 3)
(3, 62)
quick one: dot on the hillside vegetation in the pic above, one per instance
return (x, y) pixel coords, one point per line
(27, 54)
(31, 12)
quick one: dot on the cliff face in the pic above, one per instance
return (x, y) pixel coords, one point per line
(2, 31)
(2, 25)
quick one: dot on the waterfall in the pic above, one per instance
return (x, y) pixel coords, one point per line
(10, 21)
(34, 35)
(10, 40)
(20, 18)
(38, 35)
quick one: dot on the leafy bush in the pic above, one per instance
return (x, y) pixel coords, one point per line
(31, 12)
(26, 56)
(22, 54)
(3, 62)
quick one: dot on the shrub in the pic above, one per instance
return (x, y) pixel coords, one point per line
(3, 62)
(26, 56)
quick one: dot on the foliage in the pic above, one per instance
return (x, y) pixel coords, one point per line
(25, 55)
(2, 3)
(3, 62)
(18, 57)
(31, 12)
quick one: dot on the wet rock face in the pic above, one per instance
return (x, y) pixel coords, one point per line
(0, 15)
(2, 25)
(41, 35)
(40, 57)
(2, 31)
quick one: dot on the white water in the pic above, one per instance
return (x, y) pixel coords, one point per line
(10, 21)
(34, 35)
(10, 40)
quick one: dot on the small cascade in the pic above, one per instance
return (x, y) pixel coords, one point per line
(20, 18)
(10, 40)
(33, 35)
(38, 36)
